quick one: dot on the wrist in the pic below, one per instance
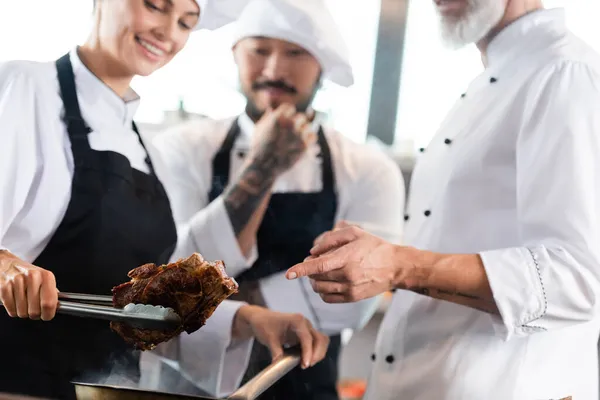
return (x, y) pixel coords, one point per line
(242, 327)
(414, 268)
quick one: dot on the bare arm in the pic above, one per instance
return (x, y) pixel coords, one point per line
(460, 279)
(282, 143)
(246, 201)
(350, 264)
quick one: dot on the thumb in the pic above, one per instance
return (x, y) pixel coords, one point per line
(275, 347)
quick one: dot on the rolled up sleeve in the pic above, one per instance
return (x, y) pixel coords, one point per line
(553, 280)
(211, 231)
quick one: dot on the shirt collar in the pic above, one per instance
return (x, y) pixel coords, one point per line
(525, 35)
(100, 96)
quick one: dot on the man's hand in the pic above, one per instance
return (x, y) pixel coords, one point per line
(349, 264)
(26, 291)
(281, 137)
(275, 329)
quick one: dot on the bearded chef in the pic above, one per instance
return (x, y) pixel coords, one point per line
(81, 204)
(499, 284)
(278, 178)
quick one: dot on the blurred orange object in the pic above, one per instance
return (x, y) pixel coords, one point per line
(352, 389)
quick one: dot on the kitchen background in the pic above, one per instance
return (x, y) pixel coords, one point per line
(405, 82)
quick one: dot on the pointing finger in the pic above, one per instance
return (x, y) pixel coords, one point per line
(316, 266)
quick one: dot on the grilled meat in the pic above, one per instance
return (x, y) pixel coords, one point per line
(192, 287)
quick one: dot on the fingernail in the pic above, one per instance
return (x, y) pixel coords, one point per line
(292, 275)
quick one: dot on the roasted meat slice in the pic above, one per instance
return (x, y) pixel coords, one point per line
(192, 287)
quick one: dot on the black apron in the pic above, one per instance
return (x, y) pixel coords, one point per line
(291, 223)
(118, 218)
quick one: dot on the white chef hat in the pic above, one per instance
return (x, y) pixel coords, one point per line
(306, 23)
(217, 13)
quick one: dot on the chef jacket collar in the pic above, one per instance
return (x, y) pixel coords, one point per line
(525, 35)
(102, 97)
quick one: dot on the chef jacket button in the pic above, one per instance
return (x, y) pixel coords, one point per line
(389, 359)
(447, 141)
(241, 154)
(406, 217)
(427, 213)
(493, 80)
(422, 149)
(373, 357)
(462, 96)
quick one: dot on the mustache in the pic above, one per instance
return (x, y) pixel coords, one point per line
(274, 85)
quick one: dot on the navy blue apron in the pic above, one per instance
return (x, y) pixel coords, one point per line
(291, 223)
(118, 218)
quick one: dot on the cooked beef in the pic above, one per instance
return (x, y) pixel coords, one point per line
(192, 287)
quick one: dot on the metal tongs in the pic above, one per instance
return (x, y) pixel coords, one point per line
(142, 316)
(101, 307)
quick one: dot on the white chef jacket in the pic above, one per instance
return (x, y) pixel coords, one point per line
(514, 175)
(369, 186)
(36, 171)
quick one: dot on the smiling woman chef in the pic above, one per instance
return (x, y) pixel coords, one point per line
(82, 204)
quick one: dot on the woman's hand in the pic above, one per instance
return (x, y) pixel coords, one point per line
(27, 291)
(274, 330)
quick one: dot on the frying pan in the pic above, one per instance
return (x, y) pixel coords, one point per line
(175, 387)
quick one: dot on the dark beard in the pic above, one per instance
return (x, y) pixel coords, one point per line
(302, 106)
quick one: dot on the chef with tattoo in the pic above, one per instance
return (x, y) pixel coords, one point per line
(270, 181)
(499, 284)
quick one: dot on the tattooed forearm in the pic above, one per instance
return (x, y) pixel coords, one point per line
(275, 155)
(462, 299)
(243, 197)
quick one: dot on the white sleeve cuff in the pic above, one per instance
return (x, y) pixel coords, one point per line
(516, 282)
(209, 359)
(213, 234)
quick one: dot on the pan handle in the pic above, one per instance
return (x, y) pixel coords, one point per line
(269, 376)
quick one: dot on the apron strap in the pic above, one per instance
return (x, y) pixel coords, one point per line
(76, 126)
(327, 165)
(147, 159)
(222, 161)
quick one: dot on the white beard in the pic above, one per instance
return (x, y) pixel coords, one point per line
(481, 17)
